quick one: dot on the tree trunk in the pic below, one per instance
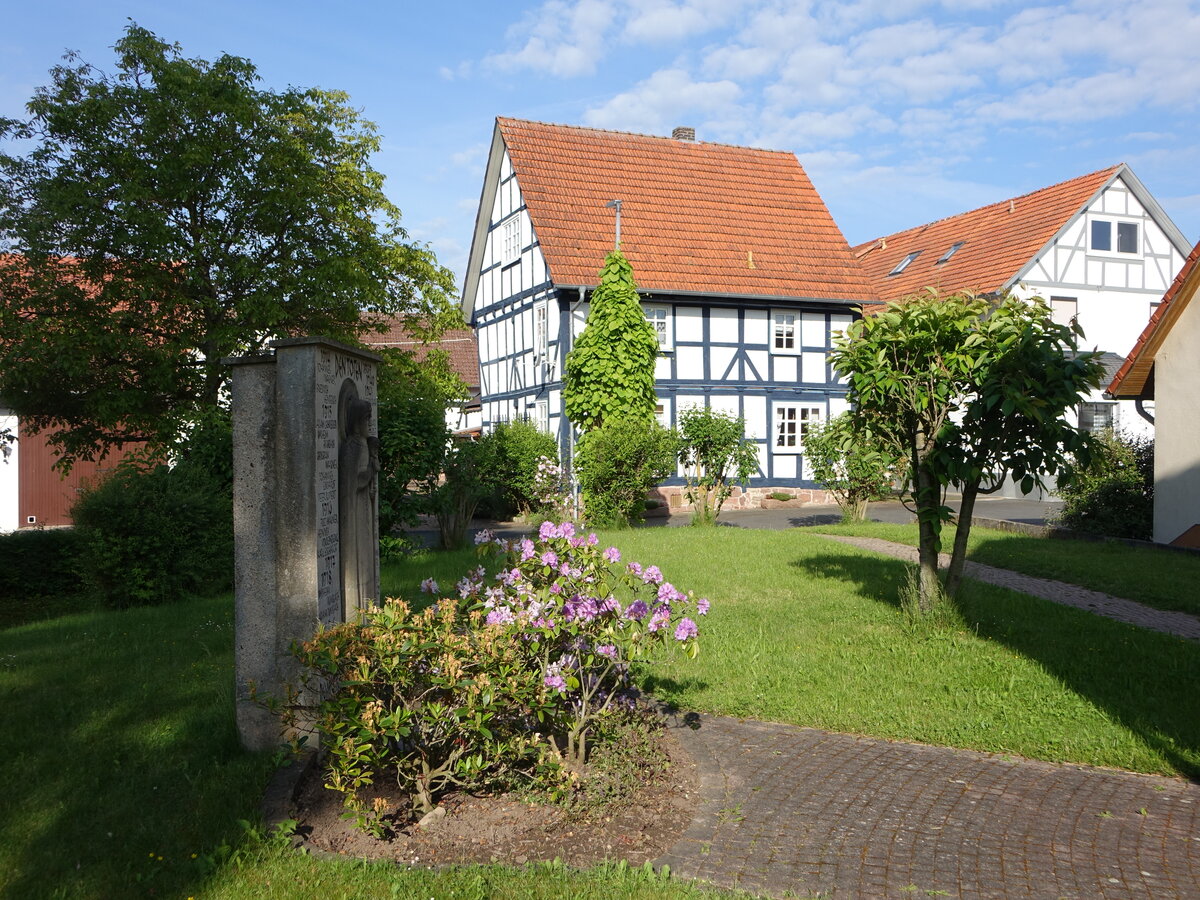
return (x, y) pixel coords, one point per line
(958, 559)
(928, 502)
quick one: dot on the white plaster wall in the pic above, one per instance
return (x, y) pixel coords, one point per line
(1177, 427)
(9, 513)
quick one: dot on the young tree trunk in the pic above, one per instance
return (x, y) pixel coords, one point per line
(962, 531)
(929, 527)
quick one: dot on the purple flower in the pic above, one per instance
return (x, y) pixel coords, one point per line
(610, 604)
(607, 650)
(566, 529)
(668, 594)
(557, 682)
(637, 610)
(662, 615)
(556, 588)
(429, 586)
(702, 606)
(548, 530)
(527, 551)
(549, 558)
(486, 536)
(652, 576)
(501, 615)
(612, 554)
(581, 608)
(592, 540)
(685, 629)
(576, 542)
(635, 568)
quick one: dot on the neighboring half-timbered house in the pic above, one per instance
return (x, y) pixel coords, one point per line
(1098, 248)
(740, 267)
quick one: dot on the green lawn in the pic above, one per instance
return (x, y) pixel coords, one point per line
(122, 776)
(1164, 579)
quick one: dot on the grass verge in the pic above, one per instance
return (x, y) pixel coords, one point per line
(1163, 579)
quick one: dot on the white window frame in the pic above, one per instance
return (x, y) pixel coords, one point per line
(541, 340)
(541, 416)
(785, 324)
(1060, 306)
(1109, 407)
(510, 239)
(1114, 234)
(660, 317)
(905, 263)
(662, 413)
(790, 422)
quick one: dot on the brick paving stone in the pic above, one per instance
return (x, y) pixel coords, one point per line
(789, 809)
(1179, 624)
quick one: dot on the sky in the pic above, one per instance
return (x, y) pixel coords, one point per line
(901, 111)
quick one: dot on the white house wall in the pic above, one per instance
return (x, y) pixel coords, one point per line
(9, 509)
(1114, 293)
(1177, 422)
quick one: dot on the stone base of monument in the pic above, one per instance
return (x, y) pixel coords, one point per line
(305, 511)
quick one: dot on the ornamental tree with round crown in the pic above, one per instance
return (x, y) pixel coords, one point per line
(173, 212)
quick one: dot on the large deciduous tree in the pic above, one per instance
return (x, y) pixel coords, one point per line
(175, 212)
(971, 390)
(609, 373)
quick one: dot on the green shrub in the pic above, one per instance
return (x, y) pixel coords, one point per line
(1114, 494)
(519, 446)
(850, 465)
(470, 469)
(154, 535)
(39, 575)
(714, 453)
(617, 464)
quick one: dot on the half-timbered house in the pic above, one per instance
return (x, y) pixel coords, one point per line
(1098, 248)
(739, 265)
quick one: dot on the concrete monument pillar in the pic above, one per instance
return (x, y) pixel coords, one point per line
(305, 510)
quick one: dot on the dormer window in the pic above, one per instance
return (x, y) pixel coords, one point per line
(945, 257)
(903, 264)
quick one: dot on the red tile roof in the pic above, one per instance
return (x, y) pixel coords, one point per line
(1130, 380)
(460, 343)
(695, 216)
(999, 240)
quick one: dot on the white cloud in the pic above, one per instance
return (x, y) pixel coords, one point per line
(659, 21)
(663, 101)
(562, 38)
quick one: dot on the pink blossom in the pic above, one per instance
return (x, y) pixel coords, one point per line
(429, 586)
(652, 575)
(612, 554)
(702, 606)
(685, 629)
(548, 530)
(486, 536)
(549, 558)
(661, 617)
(637, 610)
(592, 540)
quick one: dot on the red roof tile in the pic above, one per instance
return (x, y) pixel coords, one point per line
(1130, 380)
(460, 343)
(695, 216)
(999, 240)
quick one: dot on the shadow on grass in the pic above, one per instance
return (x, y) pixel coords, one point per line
(119, 761)
(1142, 679)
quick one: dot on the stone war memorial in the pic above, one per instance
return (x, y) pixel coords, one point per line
(305, 510)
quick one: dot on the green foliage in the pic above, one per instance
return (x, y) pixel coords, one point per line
(849, 465)
(154, 535)
(172, 213)
(427, 699)
(39, 574)
(967, 389)
(714, 453)
(469, 479)
(609, 373)
(1113, 493)
(519, 445)
(413, 437)
(617, 464)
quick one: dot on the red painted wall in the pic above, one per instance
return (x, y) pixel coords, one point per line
(42, 492)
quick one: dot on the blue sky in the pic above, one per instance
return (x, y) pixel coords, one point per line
(901, 111)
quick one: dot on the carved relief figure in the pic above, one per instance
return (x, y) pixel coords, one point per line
(358, 466)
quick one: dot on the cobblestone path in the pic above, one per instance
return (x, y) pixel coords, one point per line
(790, 811)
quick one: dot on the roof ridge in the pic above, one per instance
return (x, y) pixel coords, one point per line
(925, 225)
(638, 134)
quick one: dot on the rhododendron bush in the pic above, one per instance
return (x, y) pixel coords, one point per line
(504, 676)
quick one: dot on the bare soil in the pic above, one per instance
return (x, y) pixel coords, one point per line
(510, 829)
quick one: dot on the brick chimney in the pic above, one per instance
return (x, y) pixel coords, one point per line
(683, 133)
